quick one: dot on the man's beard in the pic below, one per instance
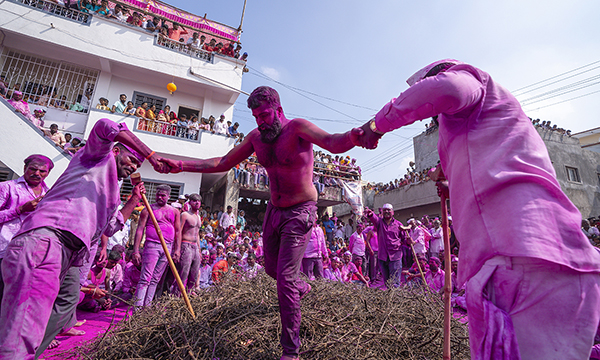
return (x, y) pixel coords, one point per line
(271, 133)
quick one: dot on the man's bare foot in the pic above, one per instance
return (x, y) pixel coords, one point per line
(79, 323)
(73, 332)
(54, 344)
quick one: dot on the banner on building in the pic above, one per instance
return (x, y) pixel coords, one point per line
(353, 196)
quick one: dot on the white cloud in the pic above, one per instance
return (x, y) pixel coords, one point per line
(270, 72)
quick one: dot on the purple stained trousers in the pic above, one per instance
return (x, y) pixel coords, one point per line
(286, 232)
(527, 308)
(33, 268)
(189, 265)
(154, 263)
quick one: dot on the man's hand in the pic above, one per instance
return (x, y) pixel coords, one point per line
(409, 240)
(138, 190)
(368, 212)
(98, 293)
(103, 254)
(442, 189)
(159, 164)
(368, 139)
(355, 135)
(30, 205)
(174, 165)
(371, 252)
(136, 258)
(176, 255)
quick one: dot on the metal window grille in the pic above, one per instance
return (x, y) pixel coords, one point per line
(68, 12)
(140, 98)
(47, 82)
(183, 48)
(5, 175)
(150, 186)
(573, 174)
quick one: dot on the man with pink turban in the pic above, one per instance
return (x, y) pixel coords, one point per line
(21, 106)
(532, 277)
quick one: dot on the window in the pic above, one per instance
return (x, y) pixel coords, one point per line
(5, 174)
(139, 98)
(151, 190)
(188, 112)
(59, 82)
(573, 174)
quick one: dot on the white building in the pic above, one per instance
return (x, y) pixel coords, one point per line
(45, 46)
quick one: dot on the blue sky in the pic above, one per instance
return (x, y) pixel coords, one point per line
(360, 53)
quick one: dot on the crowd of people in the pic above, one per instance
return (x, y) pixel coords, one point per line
(410, 178)
(332, 171)
(548, 126)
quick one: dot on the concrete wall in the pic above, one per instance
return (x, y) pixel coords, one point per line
(566, 151)
(425, 147)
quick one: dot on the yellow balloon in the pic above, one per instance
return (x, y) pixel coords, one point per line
(171, 87)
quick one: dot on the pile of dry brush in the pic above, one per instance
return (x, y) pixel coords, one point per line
(240, 320)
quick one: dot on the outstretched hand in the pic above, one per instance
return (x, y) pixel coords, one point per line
(174, 165)
(365, 137)
(159, 164)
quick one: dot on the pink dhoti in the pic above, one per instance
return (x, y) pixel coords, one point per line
(526, 308)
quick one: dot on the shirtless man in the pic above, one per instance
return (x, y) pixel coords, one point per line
(154, 260)
(284, 148)
(189, 262)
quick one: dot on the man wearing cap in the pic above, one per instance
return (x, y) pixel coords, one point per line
(20, 197)
(391, 236)
(21, 106)
(38, 115)
(154, 259)
(205, 271)
(417, 234)
(285, 148)
(81, 206)
(316, 250)
(522, 250)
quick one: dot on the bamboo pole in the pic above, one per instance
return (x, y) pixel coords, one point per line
(135, 179)
(437, 174)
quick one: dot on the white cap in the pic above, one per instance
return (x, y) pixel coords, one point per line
(420, 75)
(387, 206)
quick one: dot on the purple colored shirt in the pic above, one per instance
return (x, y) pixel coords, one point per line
(357, 244)
(13, 194)
(373, 241)
(435, 281)
(316, 247)
(85, 199)
(390, 238)
(504, 195)
(165, 216)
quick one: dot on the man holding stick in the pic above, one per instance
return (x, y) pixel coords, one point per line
(522, 251)
(284, 148)
(154, 261)
(81, 206)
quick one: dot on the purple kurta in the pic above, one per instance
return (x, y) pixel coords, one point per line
(504, 195)
(520, 234)
(85, 198)
(13, 194)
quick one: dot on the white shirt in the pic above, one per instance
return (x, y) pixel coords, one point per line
(227, 220)
(220, 127)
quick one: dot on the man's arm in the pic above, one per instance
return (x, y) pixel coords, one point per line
(102, 248)
(128, 138)
(334, 143)
(177, 244)
(218, 164)
(136, 258)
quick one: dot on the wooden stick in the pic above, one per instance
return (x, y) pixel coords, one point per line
(447, 281)
(437, 174)
(419, 265)
(135, 179)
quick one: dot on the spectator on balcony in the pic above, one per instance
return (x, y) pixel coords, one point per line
(176, 31)
(182, 126)
(220, 126)
(85, 99)
(244, 58)
(204, 125)
(228, 50)
(232, 130)
(195, 43)
(21, 106)
(120, 105)
(85, 6)
(152, 25)
(130, 109)
(141, 111)
(151, 112)
(55, 135)
(194, 126)
(210, 47)
(3, 86)
(161, 116)
(38, 115)
(17, 87)
(219, 48)
(103, 9)
(119, 13)
(45, 98)
(103, 105)
(236, 52)
(135, 19)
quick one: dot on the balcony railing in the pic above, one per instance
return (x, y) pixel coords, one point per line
(183, 48)
(58, 10)
(167, 129)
